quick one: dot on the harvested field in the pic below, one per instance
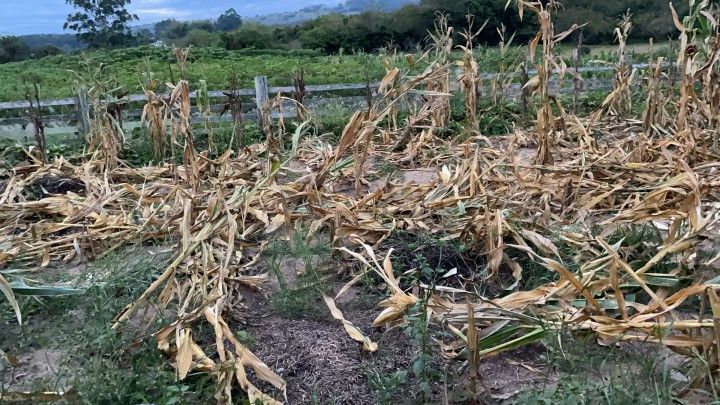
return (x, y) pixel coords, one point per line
(468, 268)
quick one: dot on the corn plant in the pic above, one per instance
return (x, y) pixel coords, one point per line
(180, 105)
(546, 125)
(32, 94)
(656, 115)
(506, 69)
(469, 78)
(156, 114)
(203, 105)
(233, 104)
(441, 45)
(105, 137)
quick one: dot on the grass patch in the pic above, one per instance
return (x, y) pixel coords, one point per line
(590, 374)
(105, 366)
(297, 266)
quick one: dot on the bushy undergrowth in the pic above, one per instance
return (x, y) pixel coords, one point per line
(105, 366)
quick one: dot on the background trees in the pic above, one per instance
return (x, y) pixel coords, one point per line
(228, 21)
(12, 49)
(101, 23)
(252, 35)
(355, 25)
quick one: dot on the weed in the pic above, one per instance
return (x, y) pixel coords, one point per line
(333, 120)
(589, 374)
(296, 265)
(139, 148)
(435, 257)
(423, 367)
(387, 169)
(104, 365)
(387, 386)
(246, 338)
(500, 118)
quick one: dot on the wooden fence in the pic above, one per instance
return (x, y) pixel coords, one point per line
(77, 121)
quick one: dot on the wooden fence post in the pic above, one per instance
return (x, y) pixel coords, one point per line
(83, 112)
(261, 96)
(577, 81)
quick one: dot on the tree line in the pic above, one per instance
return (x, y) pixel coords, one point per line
(106, 23)
(408, 26)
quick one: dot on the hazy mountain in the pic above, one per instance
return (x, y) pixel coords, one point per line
(65, 42)
(68, 42)
(314, 11)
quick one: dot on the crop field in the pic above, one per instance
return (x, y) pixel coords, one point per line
(58, 74)
(407, 255)
(129, 68)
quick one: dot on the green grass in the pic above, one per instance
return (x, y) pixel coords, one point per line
(212, 64)
(590, 374)
(104, 365)
(299, 295)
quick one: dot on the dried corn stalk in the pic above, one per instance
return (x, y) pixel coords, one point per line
(468, 77)
(156, 113)
(180, 106)
(656, 114)
(546, 124)
(203, 104)
(438, 87)
(619, 101)
(505, 73)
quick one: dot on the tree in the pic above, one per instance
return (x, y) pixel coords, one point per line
(200, 38)
(228, 21)
(252, 35)
(171, 30)
(163, 27)
(101, 23)
(13, 49)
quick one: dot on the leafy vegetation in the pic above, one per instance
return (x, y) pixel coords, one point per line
(104, 365)
(297, 267)
(214, 65)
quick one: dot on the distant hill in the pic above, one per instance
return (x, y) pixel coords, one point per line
(69, 43)
(65, 42)
(348, 7)
(364, 5)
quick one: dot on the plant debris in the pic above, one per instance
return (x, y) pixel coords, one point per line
(591, 179)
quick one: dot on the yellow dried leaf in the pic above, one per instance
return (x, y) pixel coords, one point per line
(184, 354)
(352, 330)
(277, 221)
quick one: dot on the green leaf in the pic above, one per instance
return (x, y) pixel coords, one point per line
(6, 288)
(21, 288)
(523, 340)
(418, 366)
(656, 280)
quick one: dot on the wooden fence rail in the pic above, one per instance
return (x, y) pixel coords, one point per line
(81, 106)
(9, 105)
(12, 105)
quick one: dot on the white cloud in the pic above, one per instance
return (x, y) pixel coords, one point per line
(164, 12)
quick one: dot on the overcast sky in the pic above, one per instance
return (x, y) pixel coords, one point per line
(47, 16)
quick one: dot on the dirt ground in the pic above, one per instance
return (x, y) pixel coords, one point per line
(315, 355)
(318, 359)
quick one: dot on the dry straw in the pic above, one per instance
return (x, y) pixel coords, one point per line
(579, 195)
